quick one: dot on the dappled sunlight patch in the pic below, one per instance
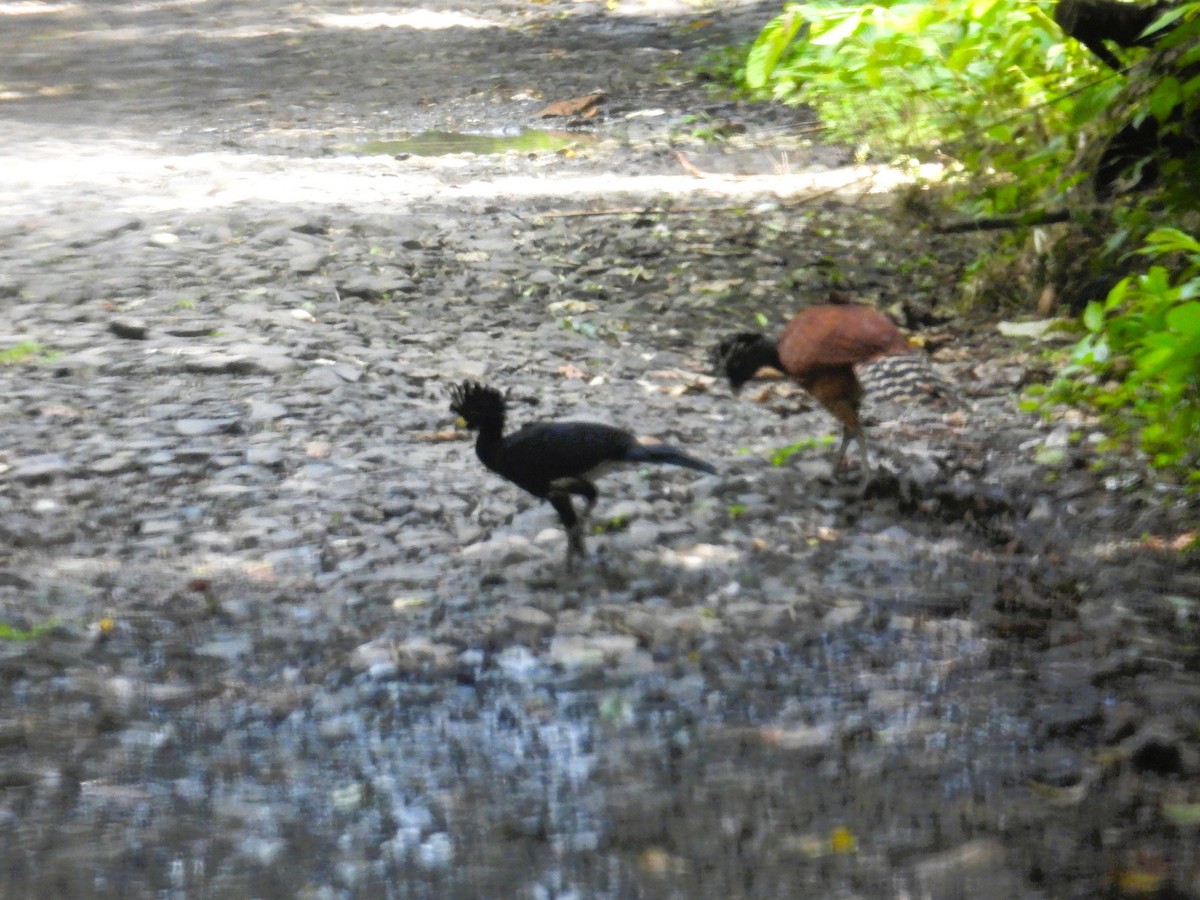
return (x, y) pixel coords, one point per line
(153, 6)
(139, 179)
(137, 34)
(32, 8)
(642, 8)
(421, 19)
(699, 556)
(11, 92)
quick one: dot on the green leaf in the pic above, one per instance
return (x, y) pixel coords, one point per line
(775, 38)
(1185, 319)
(1093, 316)
(1166, 95)
(839, 32)
(1116, 296)
(1167, 240)
(1166, 19)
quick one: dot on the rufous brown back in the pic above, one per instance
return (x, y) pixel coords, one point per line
(827, 337)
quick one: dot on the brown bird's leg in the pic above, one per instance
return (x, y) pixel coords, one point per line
(845, 409)
(840, 393)
(839, 458)
(848, 435)
(869, 472)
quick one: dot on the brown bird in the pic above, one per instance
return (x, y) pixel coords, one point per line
(831, 350)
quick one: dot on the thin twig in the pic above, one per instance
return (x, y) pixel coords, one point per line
(635, 211)
(1025, 220)
(663, 210)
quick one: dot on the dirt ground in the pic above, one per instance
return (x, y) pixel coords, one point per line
(269, 629)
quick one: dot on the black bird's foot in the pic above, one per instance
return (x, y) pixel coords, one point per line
(575, 545)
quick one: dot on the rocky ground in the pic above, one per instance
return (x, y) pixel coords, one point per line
(270, 630)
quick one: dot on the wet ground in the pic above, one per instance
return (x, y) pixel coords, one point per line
(270, 630)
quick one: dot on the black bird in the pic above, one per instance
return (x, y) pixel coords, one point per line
(554, 460)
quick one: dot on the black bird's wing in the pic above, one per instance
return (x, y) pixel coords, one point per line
(543, 452)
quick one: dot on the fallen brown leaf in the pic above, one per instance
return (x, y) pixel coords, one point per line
(688, 166)
(1181, 541)
(441, 437)
(585, 107)
(681, 375)
(60, 412)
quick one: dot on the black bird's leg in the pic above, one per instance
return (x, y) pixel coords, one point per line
(561, 501)
(560, 498)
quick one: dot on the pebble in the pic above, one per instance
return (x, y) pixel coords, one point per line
(130, 329)
(526, 625)
(592, 651)
(199, 427)
(39, 469)
(265, 456)
(265, 411)
(976, 868)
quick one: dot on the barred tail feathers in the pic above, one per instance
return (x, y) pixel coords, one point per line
(905, 376)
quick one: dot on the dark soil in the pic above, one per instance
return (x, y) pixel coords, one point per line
(270, 630)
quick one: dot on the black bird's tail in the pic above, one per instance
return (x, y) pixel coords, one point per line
(667, 455)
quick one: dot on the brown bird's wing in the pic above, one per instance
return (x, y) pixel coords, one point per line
(825, 337)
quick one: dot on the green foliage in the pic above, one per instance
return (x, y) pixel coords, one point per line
(997, 91)
(993, 84)
(20, 353)
(588, 329)
(1139, 364)
(783, 454)
(9, 633)
(612, 524)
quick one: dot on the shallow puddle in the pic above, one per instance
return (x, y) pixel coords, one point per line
(446, 143)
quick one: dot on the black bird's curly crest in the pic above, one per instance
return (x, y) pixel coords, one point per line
(478, 404)
(739, 356)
